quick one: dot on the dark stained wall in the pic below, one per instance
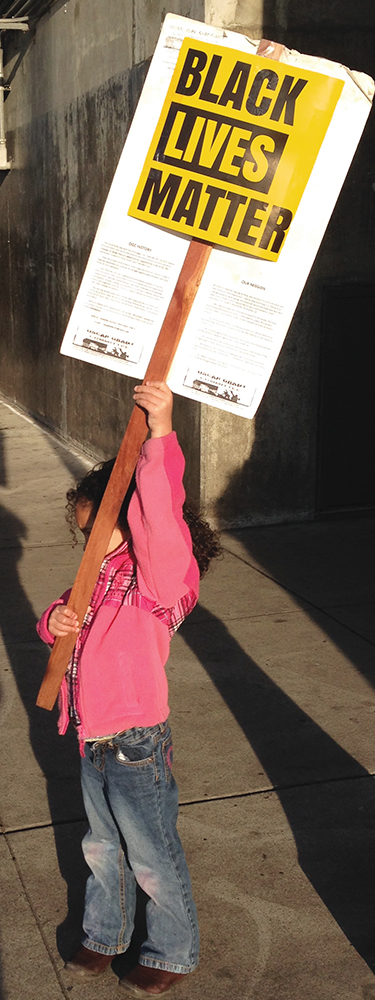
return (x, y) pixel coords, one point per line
(75, 82)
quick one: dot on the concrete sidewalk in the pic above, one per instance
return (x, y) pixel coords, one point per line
(272, 696)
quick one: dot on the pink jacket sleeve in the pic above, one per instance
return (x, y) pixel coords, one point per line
(42, 624)
(166, 568)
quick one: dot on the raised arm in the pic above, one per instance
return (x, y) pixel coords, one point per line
(166, 568)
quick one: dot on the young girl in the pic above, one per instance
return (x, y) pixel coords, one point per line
(116, 694)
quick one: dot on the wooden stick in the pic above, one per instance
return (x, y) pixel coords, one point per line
(270, 50)
(136, 432)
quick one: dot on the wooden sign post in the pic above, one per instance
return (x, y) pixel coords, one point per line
(136, 432)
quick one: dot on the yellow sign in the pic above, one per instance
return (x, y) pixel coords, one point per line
(234, 147)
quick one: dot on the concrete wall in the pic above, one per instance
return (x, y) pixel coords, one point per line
(75, 83)
(266, 472)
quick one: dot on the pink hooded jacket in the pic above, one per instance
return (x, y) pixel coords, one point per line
(121, 680)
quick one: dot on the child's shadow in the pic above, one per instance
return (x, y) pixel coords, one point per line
(57, 757)
(332, 820)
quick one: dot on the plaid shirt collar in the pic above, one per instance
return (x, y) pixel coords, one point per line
(102, 586)
(117, 584)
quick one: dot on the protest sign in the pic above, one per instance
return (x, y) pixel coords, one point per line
(241, 151)
(234, 147)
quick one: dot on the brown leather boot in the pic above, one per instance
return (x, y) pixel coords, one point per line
(88, 963)
(144, 981)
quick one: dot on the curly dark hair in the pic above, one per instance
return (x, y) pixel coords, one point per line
(206, 541)
(90, 489)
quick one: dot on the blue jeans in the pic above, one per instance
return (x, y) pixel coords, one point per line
(131, 801)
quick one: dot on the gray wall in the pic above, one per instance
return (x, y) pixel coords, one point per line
(273, 464)
(75, 83)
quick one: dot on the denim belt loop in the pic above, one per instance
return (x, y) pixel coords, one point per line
(98, 755)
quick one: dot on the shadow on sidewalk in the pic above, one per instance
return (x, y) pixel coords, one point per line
(332, 820)
(58, 758)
